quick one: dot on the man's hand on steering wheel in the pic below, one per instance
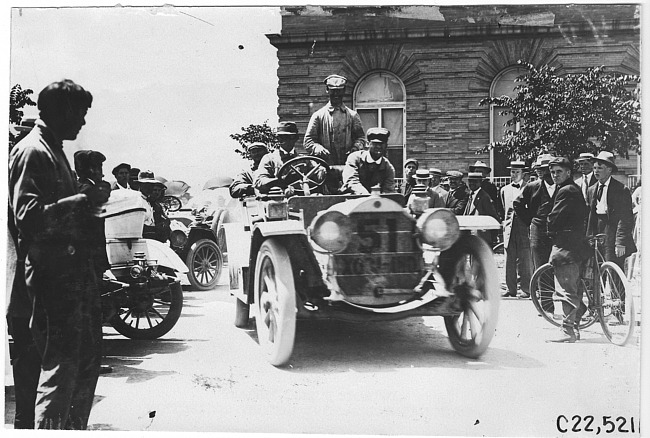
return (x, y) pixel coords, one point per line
(303, 174)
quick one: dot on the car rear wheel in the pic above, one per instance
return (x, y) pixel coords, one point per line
(150, 316)
(275, 300)
(204, 261)
(474, 279)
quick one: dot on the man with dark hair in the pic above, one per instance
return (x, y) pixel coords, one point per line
(480, 203)
(610, 211)
(121, 174)
(242, 184)
(334, 131)
(566, 227)
(487, 186)
(49, 216)
(367, 168)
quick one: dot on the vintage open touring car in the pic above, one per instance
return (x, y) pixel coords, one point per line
(358, 258)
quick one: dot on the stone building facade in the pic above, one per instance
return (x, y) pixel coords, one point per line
(421, 71)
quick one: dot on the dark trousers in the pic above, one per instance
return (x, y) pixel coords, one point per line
(568, 277)
(609, 252)
(540, 245)
(67, 333)
(26, 367)
(518, 258)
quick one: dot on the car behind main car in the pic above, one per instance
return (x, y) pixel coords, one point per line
(359, 258)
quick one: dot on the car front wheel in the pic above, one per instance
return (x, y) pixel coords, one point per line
(275, 302)
(471, 274)
(204, 262)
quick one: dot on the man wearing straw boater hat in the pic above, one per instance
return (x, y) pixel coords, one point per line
(587, 177)
(486, 184)
(516, 242)
(480, 203)
(610, 210)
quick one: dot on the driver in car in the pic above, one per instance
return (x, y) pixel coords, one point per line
(370, 167)
(266, 176)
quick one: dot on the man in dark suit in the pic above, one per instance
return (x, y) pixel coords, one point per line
(480, 203)
(410, 167)
(566, 226)
(457, 198)
(533, 206)
(487, 186)
(610, 210)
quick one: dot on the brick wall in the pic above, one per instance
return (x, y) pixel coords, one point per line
(445, 77)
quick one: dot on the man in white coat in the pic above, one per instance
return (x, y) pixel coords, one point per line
(516, 242)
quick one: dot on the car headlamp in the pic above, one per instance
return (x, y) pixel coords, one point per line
(178, 239)
(277, 210)
(136, 271)
(331, 230)
(439, 228)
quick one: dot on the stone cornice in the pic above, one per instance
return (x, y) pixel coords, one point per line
(456, 31)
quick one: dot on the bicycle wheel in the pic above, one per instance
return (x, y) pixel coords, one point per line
(616, 310)
(542, 290)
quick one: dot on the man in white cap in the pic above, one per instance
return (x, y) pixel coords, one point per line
(410, 168)
(610, 210)
(458, 196)
(516, 242)
(587, 179)
(533, 206)
(334, 131)
(436, 178)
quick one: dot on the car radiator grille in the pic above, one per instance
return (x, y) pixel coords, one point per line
(382, 263)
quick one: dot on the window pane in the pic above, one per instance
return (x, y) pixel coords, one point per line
(505, 83)
(395, 157)
(393, 121)
(369, 118)
(379, 88)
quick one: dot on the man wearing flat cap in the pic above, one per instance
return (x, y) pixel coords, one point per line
(410, 168)
(610, 210)
(532, 206)
(458, 196)
(156, 223)
(334, 131)
(266, 174)
(436, 178)
(242, 183)
(516, 242)
(566, 226)
(370, 167)
(587, 179)
(121, 173)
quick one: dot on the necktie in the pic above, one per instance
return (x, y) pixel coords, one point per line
(470, 201)
(600, 192)
(516, 186)
(585, 186)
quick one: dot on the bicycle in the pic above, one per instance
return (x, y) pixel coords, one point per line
(604, 287)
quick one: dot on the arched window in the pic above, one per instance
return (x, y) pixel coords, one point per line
(380, 100)
(502, 85)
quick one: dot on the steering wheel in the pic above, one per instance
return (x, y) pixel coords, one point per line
(305, 173)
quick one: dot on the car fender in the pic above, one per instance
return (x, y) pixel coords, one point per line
(164, 256)
(477, 222)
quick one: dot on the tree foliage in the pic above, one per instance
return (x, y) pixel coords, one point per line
(18, 98)
(566, 115)
(252, 134)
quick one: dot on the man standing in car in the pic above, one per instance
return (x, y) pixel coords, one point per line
(49, 216)
(566, 227)
(334, 131)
